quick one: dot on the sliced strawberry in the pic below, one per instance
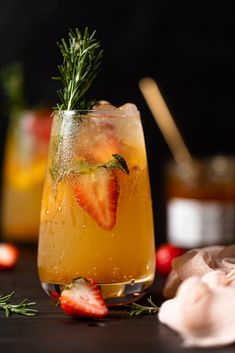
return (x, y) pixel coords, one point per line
(8, 256)
(55, 296)
(83, 298)
(97, 193)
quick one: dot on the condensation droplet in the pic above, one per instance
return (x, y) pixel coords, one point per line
(115, 270)
(59, 208)
(47, 211)
(110, 259)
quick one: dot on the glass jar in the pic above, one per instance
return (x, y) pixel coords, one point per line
(200, 202)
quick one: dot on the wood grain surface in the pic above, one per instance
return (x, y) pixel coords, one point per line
(52, 331)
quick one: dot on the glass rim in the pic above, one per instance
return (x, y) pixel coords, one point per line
(106, 113)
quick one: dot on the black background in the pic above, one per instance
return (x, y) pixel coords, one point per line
(187, 46)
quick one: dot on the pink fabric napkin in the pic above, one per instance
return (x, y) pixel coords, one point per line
(202, 283)
(198, 262)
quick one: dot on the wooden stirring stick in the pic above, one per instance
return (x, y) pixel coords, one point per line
(164, 120)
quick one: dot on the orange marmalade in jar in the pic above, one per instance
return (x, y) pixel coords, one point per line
(200, 202)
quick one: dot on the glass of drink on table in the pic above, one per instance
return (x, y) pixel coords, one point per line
(96, 216)
(23, 174)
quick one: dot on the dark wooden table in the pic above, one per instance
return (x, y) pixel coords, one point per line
(52, 331)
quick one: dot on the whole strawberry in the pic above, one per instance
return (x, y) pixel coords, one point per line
(165, 253)
(83, 298)
(9, 255)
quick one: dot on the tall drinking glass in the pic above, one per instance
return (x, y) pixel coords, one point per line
(96, 219)
(23, 175)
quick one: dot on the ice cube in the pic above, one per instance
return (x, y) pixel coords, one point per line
(102, 102)
(103, 106)
(129, 109)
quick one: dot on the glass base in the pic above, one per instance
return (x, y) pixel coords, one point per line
(113, 293)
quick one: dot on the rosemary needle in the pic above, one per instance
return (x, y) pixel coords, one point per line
(23, 308)
(81, 63)
(138, 309)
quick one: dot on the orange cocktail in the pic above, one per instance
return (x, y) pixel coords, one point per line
(23, 175)
(96, 216)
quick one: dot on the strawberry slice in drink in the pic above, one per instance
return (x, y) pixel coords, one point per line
(83, 298)
(97, 193)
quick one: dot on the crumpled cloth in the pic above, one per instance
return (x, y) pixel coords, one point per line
(198, 262)
(202, 283)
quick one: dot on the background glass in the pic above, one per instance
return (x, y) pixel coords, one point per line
(23, 175)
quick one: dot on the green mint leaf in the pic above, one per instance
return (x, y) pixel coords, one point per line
(118, 162)
(58, 172)
(79, 167)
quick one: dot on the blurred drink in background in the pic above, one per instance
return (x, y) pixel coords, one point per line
(24, 161)
(23, 174)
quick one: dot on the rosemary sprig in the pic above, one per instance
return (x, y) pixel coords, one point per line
(23, 308)
(137, 309)
(81, 62)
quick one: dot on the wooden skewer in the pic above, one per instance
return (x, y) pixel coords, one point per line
(164, 120)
